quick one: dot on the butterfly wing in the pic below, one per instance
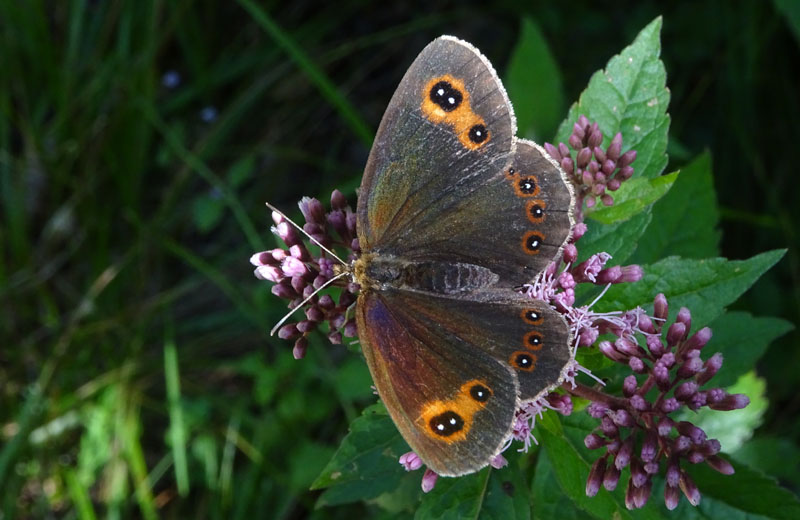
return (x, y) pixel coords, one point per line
(431, 194)
(453, 371)
(449, 122)
(524, 334)
(453, 402)
(513, 222)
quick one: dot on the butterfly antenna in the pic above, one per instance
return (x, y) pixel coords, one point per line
(303, 231)
(300, 305)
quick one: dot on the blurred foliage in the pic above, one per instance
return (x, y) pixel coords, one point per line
(138, 142)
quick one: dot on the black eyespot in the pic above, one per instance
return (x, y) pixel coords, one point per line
(446, 423)
(478, 133)
(524, 361)
(512, 171)
(480, 393)
(447, 97)
(536, 211)
(532, 315)
(533, 242)
(535, 340)
(527, 185)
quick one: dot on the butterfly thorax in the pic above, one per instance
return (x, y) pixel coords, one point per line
(382, 272)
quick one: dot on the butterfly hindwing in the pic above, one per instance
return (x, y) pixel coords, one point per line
(513, 221)
(448, 124)
(452, 401)
(524, 334)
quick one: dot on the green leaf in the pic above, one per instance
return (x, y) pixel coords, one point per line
(534, 84)
(241, 171)
(365, 465)
(733, 428)
(704, 286)
(747, 490)
(741, 356)
(687, 217)
(617, 239)
(549, 501)
(489, 493)
(207, 212)
(633, 197)
(790, 9)
(774, 455)
(630, 96)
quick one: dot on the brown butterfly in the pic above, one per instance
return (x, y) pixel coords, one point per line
(455, 214)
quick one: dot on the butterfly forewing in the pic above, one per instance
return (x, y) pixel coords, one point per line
(448, 123)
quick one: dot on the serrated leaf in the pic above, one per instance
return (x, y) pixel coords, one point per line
(741, 356)
(534, 84)
(617, 239)
(734, 427)
(365, 465)
(633, 197)
(746, 490)
(687, 217)
(704, 286)
(630, 96)
(489, 493)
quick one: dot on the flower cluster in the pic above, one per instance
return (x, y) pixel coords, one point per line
(637, 430)
(297, 273)
(593, 171)
(668, 373)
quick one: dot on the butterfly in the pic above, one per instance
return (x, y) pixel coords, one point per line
(454, 215)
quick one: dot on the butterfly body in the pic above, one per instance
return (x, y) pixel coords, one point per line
(455, 214)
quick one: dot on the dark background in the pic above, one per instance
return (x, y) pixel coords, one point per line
(130, 208)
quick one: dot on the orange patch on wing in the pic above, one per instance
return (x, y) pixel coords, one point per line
(535, 211)
(450, 420)
(538, 319)
(523, 360)
(533, 340)
(526, 185)
(462, 119)
(532, 242)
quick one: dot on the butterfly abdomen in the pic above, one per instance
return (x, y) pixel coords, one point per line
(384, 272)
(448, 278)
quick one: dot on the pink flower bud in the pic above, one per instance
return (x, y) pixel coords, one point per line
(595, 479)
(611, 478)
(600, 155)
(498, 461)
(699, 339)
(689, 489)
(338, 200)
(660, 307)
(720, 464)
(552, 151)
(615, 147)
(566, 165)
(676, 333)
(627, 158)
(593, 441)
(428, 480)
(300, 346)
(584, 155)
